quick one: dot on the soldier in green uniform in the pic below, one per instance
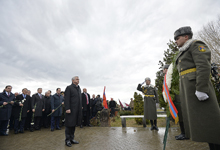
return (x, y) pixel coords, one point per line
(201, 113)
(150, 100)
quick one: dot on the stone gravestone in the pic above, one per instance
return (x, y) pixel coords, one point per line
(105, 118)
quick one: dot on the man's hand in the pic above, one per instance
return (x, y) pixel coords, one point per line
(201, 95)
(12, 102)
(68, 111)
(28, 111)
(5, 103)
(53, 110)
(62, 103)
(20, 104)
(82, 107)
(43, 109)
(33, 110)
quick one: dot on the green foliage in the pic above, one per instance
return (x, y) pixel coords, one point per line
(168, 58)
(216, 91)
(126, 112)
(139, 107)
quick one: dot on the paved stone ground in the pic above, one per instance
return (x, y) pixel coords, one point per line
(99, 138)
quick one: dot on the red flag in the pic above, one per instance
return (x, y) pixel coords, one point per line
(104, 100)
(121, 104)
(127, 104)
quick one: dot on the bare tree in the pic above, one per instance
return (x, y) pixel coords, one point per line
(210, 34)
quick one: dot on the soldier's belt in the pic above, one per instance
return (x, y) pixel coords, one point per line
(149, 95)
(187, 71)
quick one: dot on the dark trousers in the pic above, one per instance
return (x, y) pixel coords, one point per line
(53, 120)
(28, 120)
(153, 122)
(94, 114)
(214, 146)
(19, 125)
(3, 126)
(11, 123)
(46, 120)
(37, 123)
(69, 133)
(112, 111)
(86, 115)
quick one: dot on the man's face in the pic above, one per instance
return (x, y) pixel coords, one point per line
(47, 94)
(24, 91)
(39, 91)
(180, 40)
(147, 82)
(8, 89)
(29, 93)
(76, 81)
(111, 99)
(85, 90)
(16, 94)
(164, 71)
(58, 91)
(93, 96)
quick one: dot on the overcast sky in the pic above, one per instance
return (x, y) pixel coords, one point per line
(108, 43)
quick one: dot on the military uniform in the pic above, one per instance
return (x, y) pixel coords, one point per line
(201, 118)
(150, 100)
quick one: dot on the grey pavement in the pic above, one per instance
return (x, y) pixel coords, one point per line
(99, 138)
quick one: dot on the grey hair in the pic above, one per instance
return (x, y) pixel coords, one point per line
(73, 78)
(147, 79)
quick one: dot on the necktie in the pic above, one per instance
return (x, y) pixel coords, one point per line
(40, 96)
(87, 99)
(8, 94)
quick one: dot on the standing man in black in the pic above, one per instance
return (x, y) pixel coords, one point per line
(29, 114)
(93, 109)
(73, 107)
(86, 108)
(20, 110)
(37, 107)
(47, 111)
(112, 105)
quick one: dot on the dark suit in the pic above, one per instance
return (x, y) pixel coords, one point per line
(112, 105)
(86, 108)
(94, 110)
(5, 112)
(39, 104)
(72, 101)
(17, 111)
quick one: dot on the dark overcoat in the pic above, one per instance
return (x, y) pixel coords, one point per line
(17, 108)
(201, 118)
(84, 102)
(93, 102)
(40, 105)
(56, 101)
(73, 101)
(5, 112)
(150, 110)
(47, 104)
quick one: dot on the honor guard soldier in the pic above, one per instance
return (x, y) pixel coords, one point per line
(150, 100)
(201, 113)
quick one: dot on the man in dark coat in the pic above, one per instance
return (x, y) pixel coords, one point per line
(86, 106)
(47, 111)
(112, 105)
(93, 109)
(11, 120)
(20, 110)
(29, 114)
(73, 107)
(201, 113)
(37, 107)
(6, 101)
(150, 100)
(56, 103)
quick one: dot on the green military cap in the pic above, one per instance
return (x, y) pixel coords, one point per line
(166, 66)
(183, 31)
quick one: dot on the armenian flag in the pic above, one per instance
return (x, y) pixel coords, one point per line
(104, 100)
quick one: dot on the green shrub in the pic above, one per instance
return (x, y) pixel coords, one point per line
(126, 112)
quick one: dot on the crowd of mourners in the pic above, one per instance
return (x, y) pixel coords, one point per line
(20, 112)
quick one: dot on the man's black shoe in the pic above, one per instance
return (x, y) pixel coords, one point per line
(3, 134)
(181, 137)
(152, 127)
(16, 132)
(68, 143)
(52, 130)
(58, 128)
(156, 128)
(74, 142)
(21, 131)
(81, 126)
(89, 125)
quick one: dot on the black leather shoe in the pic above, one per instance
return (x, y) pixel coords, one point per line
(74, 142)
(58, 128)
(21, 131)
(156, 128)
(152, 127)
(3, 134)
(16, 132)
(181, 137)
(52, 130)
(81, 126)
(89, 125)
(68, 143)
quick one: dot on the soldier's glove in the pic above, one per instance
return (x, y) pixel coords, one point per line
(201, 95)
